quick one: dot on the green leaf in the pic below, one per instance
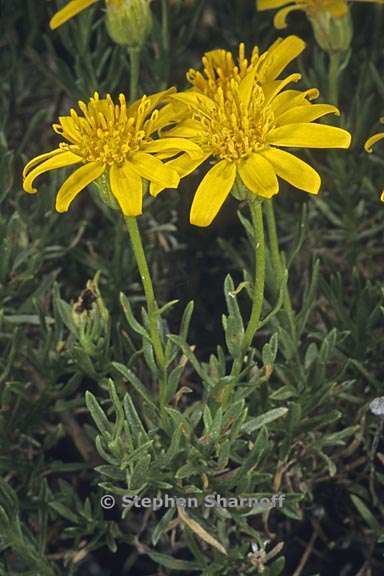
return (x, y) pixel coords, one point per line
(256, 423)
(366, 514)
(132, 379)
(98, 415)
(185, 321)
(162, 525)
(172, 563)
(269, 351)
(64, 511)
(134, 324)
(233, 323)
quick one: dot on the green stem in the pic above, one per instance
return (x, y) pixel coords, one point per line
(153, 311)
(257, 298)
(259, 280)
(134, 71)
(334, 69)
(165, 39)
(277, 264)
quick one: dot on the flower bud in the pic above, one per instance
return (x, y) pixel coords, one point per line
(129, 22)
(333, 34)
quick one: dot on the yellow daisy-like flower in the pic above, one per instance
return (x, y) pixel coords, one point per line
(336, 8)
(313, 9)
(369, 147)
(115, 140)
(219, 66)
(242, 127)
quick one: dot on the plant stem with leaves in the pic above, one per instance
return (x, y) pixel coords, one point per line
(277, 266)
(259, 279)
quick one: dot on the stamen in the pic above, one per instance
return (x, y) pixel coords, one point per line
(105, 133)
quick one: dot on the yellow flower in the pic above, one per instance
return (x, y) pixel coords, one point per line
(336, 8)
(314, 9)
(241, 125)
(369, 147)
(115, 141)
(219, 67)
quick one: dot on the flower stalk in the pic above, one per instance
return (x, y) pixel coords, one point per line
(277, 265)
(334, 70)
(153, 311)
(134, 58)
(255, 207)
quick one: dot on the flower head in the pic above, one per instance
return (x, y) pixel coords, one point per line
(219, 66)
(312, 8)
(371, 142)
(114, 140)
(330, 19)
(242, 126)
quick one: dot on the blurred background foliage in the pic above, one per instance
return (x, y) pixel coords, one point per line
(299, 422)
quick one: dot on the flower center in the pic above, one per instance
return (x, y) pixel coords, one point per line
(231, 128)
(106, 132)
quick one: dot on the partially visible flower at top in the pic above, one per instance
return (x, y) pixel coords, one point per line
(129, 22)
(241, 126)
(112, 141)
(336, 8)
(219, 66)
(330, 19)
(369, 147)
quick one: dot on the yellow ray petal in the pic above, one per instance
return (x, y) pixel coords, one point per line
(258, 176)
(76, 182)
(280, 55)
(39, 159)
(193, 100)
(155, 99)
(57, 161)
(180, 144)
(183, 165)
(309, 135)
(67, 128)
(127, 188)
(292, 98)
(372, 141)
(280, 19)
(246, 87)
(211, 193)
(306, 113)
(293, 170)
(188, 128)
(69, 11)
(154, 170)
(271, 4)
(272, 89)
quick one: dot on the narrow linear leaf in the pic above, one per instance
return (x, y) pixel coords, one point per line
(200, 531)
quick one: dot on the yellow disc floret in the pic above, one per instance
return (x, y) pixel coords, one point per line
(232, 129)
(106, 133)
